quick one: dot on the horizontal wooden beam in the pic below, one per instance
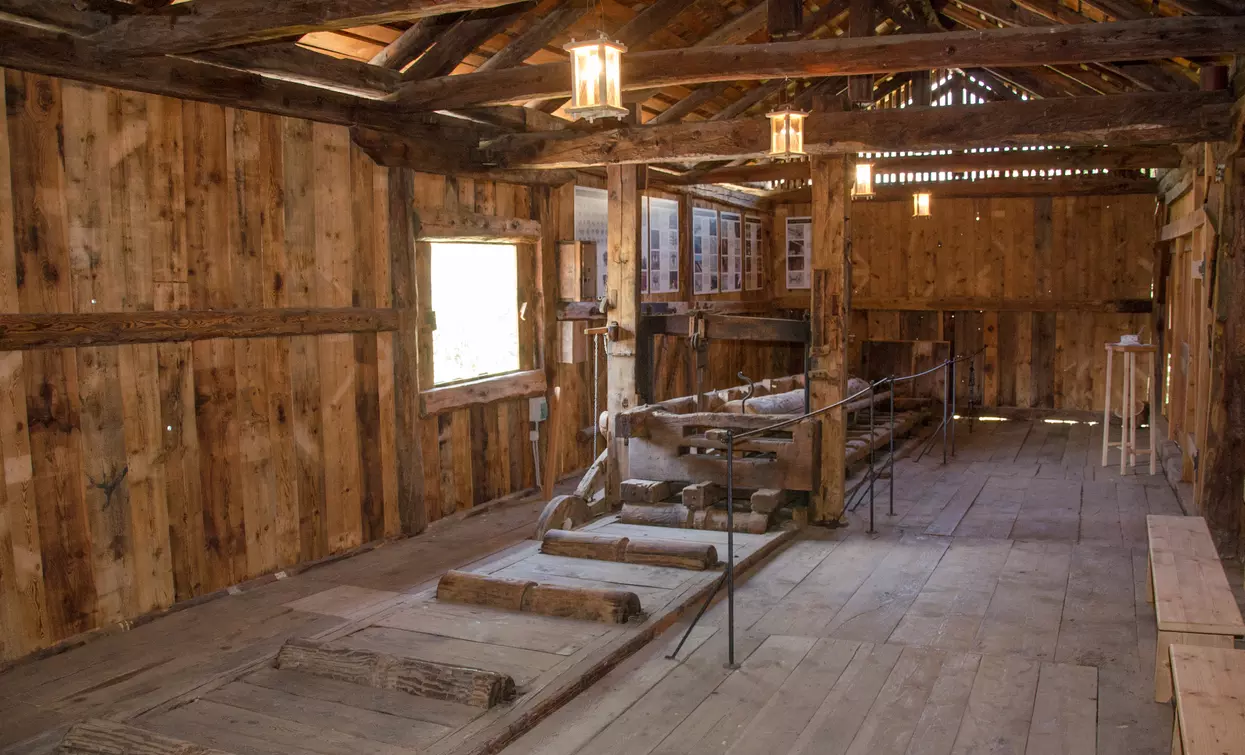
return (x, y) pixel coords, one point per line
(52, 53)
(1061, 186)
(1121, 120)
(996, 48)
(985, 304)
(1111, 158)
(487, 390)
(443, 225)
(209, 24)
(1183, 225)
(588, 310)
(733, 328)
(19, 332)
(445, 156)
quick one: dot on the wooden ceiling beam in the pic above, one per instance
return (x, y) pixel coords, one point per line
(996, 188)
(428, 156)
(651, 20)
(210, 24)
(1079, 121)
(1082, 158)
(536, 36)
(686, 106)
(453, 47)
(1009, 48)
(414, 42)
(38, 50)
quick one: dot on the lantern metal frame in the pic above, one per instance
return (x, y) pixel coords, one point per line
(792, 125)
(607, 59)
(922, 202)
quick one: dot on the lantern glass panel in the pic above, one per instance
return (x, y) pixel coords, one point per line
(920, 204)
(864, 180)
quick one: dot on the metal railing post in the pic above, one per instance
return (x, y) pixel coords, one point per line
(947, 390)
(891, 462)
(872, 470)
(951, 417)
(730, 549)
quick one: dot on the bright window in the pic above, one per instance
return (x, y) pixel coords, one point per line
(475, 297)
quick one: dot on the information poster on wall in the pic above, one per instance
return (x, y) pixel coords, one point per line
(592, 224)
(753, 277)
(659, 261)
(799, 251)
(704, 250)
(732, 251)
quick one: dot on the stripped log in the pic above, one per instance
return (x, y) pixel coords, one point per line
(658, 515)
(674, 553)
(483, 590)
(368, 668)
(584, 545)
(610, 606)
(789, 402)
(97, 736)
(702, 495)
(745, 521)
(563, 512)
(768, 500)
(645, 491)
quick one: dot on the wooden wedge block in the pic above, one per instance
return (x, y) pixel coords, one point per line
(702, 495)
(768, 500)
(482, 590)
(99, 737)
(583, 545)
(368, 668)
(676, 553)
(645, 491)
(563, 512)
(610, 606)
(656, 515)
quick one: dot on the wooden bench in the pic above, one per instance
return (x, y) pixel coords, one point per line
(1193, 604)
(1210, 700)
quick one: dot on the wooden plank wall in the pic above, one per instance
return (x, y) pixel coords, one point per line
(140, 475)
(1031, 279)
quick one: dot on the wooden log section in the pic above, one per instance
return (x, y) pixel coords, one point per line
(645, 491)
(702, 495)
(790, 402)
(675, 553)
(98, 736)
(768, 500)
(483, 590)
(584, 545)
(441, 681)
(749, 522)
(648, 551)
(1004, 48)
(609, 606)
(656, 515)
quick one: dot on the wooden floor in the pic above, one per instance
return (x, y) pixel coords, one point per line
(126, 674)
(1001, 610)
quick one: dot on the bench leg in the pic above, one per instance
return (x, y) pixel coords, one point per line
(1163, 659)
(1177, 746)
(1149, 579)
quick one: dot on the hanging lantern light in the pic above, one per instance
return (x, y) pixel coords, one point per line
(864, 181)
(596, 70)
(786, 133)
(920, 204)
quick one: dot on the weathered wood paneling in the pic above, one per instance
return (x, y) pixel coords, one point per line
(1042, 283)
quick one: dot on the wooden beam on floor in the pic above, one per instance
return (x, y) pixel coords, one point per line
(826, 254)
(1122, 120)
(1014, 47)
(210, 24)
(98, 736)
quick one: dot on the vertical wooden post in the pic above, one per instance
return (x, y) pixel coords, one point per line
(623, 292)
(920, 88)
(831, 186)
(545, 202)
(860, 23)
(403, 230)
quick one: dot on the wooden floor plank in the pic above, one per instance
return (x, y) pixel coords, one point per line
(949, 518)
(949, 610)
(479, 624)
(1064, 712)
(895, 715)
(1024, 614)
(873, 612)
(834, 725)
(1000, 707)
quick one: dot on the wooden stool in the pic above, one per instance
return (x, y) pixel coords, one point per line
(1128, 420)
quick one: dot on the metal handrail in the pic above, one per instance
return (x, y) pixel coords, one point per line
(728, 578)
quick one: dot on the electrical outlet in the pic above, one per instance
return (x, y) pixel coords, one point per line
(537, 409)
